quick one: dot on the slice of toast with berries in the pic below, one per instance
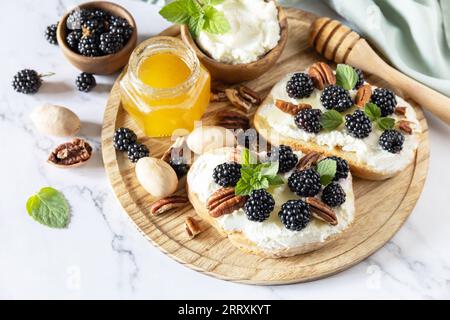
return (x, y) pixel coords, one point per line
(338, 113)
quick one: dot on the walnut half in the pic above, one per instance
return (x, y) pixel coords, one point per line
(71, 154)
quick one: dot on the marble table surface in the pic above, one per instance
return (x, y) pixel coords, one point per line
(102, 255)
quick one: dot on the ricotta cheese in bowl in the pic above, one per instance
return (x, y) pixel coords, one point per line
(367, 150)
(270, 234)
(254, 32)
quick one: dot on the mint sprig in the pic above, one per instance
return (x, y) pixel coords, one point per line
(385, 123)
(256, 176)
(331, 120)
(346, 76)
(49, 207)
(327, 170)
(373, 112)
(197, 15)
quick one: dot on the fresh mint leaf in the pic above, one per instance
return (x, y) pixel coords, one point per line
(256, 176)
(176, 12)
(215, 21)
(327, 170)
(246, 173)
(385, 123)
(372, 111)
(215, 2)
(263, 183)
(194, 8)
(195, 25)
(275, 180)
(331, 119)
(346, 76)
(245, 157)
(197, 15)
(243, 188)
(49, 207)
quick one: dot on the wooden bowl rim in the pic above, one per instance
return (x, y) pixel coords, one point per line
(275, 51)
(122, 12)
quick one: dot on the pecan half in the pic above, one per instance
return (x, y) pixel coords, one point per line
(400, 111)
(321, 211)
(192, 227)
(232, 120)
(218, 96)
(166, 204)
(321, 75)
(243, 97)
(250, 95)
(71, 154)
(291, 108)
(363, 95)
(308, 160)
(216, 197)
(224, 201)
(405, 126)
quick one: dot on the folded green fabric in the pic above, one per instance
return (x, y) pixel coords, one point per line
(413, 34)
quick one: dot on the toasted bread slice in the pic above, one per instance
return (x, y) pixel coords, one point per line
(393, 164)
(261, 237)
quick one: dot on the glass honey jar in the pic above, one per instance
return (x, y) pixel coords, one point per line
(165, 87)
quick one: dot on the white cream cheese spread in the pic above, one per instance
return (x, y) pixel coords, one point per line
(367, 150)
(254, 32)
(270, 234)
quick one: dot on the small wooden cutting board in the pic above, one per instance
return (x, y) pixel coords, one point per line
(381, 206)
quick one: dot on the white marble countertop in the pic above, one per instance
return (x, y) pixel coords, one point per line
(102, 255)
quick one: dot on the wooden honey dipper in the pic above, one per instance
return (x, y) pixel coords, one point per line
(339, 43)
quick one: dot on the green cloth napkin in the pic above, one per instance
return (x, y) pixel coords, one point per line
(413, 34)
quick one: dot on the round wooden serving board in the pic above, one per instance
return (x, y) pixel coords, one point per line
(381, 207)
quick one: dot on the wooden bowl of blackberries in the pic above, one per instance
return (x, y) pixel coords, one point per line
(97, 37)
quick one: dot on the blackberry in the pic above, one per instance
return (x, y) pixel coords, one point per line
(110, 43)
(259, 205)
(342, 168)
(333, 195)
(361, 80)
(93, 24)
(76, 18)
(287, 159)
(385, 100)
(227, 174)
(123, 138)
(115, 21)
(137, 151)
(179, 166)
(73, 38)
(295, 215)
(100, 14)
(309, 120)
(50, 33)
(304, 183)
(337, 98)
(358, 124)
(28, 81)
(299, 86)
(124, 33)
(392, 141)
(88, 46)
(85, 82)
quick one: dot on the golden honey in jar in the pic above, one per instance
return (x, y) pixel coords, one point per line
(165, 87)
